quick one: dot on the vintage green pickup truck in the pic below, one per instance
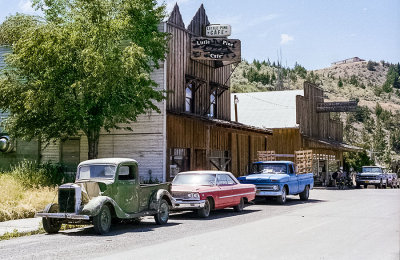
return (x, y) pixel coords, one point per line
(106, 190)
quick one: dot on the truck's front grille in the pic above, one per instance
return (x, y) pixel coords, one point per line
(180, 195)
(265, 187)
(66, 200)
(368, 177)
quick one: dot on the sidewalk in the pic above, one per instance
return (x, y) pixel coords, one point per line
(21, 225)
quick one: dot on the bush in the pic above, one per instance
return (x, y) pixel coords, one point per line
(33, 175)
(340, 83)
(371, 65)
(17, 201)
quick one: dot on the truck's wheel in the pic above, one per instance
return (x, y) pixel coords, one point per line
(162, 215)
(102, 221)
(51, 225)
(205, 212)
(358, 186)
(239, 207)
(282, 199)
(305, 193)
(365, 186)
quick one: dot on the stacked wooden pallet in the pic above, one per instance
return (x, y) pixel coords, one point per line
(303, 160)
(266, 155)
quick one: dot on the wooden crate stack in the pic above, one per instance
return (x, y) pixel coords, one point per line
(266, 156)
(303, 160)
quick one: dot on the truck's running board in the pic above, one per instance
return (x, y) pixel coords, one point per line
(62, 215)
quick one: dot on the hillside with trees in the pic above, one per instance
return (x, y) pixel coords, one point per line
(375, 126)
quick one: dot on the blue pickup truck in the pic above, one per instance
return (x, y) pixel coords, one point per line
(278, 179)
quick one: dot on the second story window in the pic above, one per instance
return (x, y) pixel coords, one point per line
(213, 103)
(189, 102)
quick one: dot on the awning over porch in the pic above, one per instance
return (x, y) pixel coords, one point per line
(316, 143)
(223, 123)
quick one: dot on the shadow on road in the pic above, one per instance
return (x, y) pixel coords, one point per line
(118, 229)
(289, 202)
(215, 214)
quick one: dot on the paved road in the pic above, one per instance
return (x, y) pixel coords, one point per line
(333, 224)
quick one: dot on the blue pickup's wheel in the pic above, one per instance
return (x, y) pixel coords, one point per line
(282, 198)
(305, 193)
(162, 215)
(102, 221)
(51, 225)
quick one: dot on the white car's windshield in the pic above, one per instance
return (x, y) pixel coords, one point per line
(94, 171)
(194, 179)
(372, 169)
(271, 168)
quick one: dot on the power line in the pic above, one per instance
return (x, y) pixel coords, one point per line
(266, 101)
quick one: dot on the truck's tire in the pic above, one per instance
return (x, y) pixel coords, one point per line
(305, 193)
(102, 221)
(239, 207)
(205, 212)
(282, 199)
(358, 186)
(51, 225)
(365, 186)
(162, 215)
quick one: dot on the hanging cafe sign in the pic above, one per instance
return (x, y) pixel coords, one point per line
(217, 49)
(347, 106)
(218, 30)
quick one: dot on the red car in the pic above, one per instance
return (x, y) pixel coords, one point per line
(204, 191)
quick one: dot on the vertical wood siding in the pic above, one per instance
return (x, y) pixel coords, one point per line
(180, 65)
(313, 124)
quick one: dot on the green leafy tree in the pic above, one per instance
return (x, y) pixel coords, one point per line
(14, 27)
(356, 160)
(379, 141)
(392, 78)
(300, 70)
(85, 68)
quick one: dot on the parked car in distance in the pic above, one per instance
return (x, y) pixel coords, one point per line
(393, 180)
(372, 175)
(203, 191)
(106, 189)
(279, 179)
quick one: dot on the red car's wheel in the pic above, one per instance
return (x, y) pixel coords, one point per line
(205, 212)
(239, 207)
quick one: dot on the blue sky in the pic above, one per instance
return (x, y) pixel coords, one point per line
(313, 33)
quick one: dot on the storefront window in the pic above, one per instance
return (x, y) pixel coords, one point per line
(213, 104)
(179, 161)
(189, 98)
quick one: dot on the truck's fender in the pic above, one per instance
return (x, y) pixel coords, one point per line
(95, 204)
(157, 196)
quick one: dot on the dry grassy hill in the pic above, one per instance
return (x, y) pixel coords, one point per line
(367, 91)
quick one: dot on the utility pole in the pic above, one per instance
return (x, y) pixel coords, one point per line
(236, 101)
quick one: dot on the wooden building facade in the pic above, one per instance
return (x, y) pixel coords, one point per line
(200, 134)
(316, 131)
(298, 123)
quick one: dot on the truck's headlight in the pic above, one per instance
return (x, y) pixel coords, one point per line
(275, 187)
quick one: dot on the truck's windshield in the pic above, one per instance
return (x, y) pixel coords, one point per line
(372, 169)
(103, 171)
(194, 179)
(269, 168)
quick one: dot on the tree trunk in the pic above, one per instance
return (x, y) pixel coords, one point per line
(93, 143)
